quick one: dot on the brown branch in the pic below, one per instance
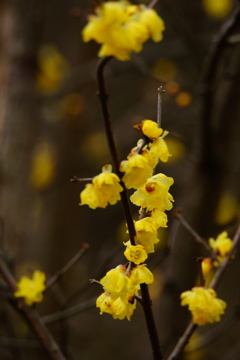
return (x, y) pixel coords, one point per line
(152, 330)
(183, 341)
(77, 309)
(75, 179)
(198, 239)
(61, 272)
(160, 92)
(152, 4)
(146, 302)
(33, 318)
(111, 144)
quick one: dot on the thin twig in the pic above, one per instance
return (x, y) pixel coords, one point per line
(183, 341)
(152, 4)
(160, 92)
(33, 318)
(77, 309)
(198, 239)
(75, 179)
(61, 272)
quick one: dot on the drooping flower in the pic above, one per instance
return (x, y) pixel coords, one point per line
(221, 246)
(146, 234)
(150, 129)
(203, 304)
(154, 194)
(118, 308)
(31, 289)
(117, 283)
(159, 148)
(141, 274)
(137, 169)
(105, 188)
(122, 28)
(136, 254)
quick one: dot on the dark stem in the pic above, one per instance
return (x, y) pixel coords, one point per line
(146, 301)
(111, 144)
(152, 331)
(75, 179)
(160, 92)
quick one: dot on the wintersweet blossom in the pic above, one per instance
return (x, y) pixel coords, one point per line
(118, 308)
(141, 274)
(31, 289)
(203, 304)
(221, 246)
(150, 129)
(146, 234)
(118, 283)
(159, 148)
(154, 194)
(136, 253)
(105, 188)
(137, 169)
(122, 28)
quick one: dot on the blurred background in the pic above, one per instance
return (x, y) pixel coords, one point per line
(51, 129)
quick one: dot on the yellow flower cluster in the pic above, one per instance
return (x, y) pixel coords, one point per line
(204, 305)
(152, 193)
(31, 289)
(120, 289)
(122, 28)
(221, 246)
(105, 188)
(139, 167)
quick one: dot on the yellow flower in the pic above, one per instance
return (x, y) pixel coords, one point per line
(137, 170)
(141, 274)
(136, 254)
(31, 289)
(146, 234)
(121, 309)
(104, 302)
(153, 22)
(159, 217)
(117, 283)
(154, 194)
(150, 129)
(204, 305)
(118, 308)
(221, 246)
(104, 189)
(122, 28)
(159, 148)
